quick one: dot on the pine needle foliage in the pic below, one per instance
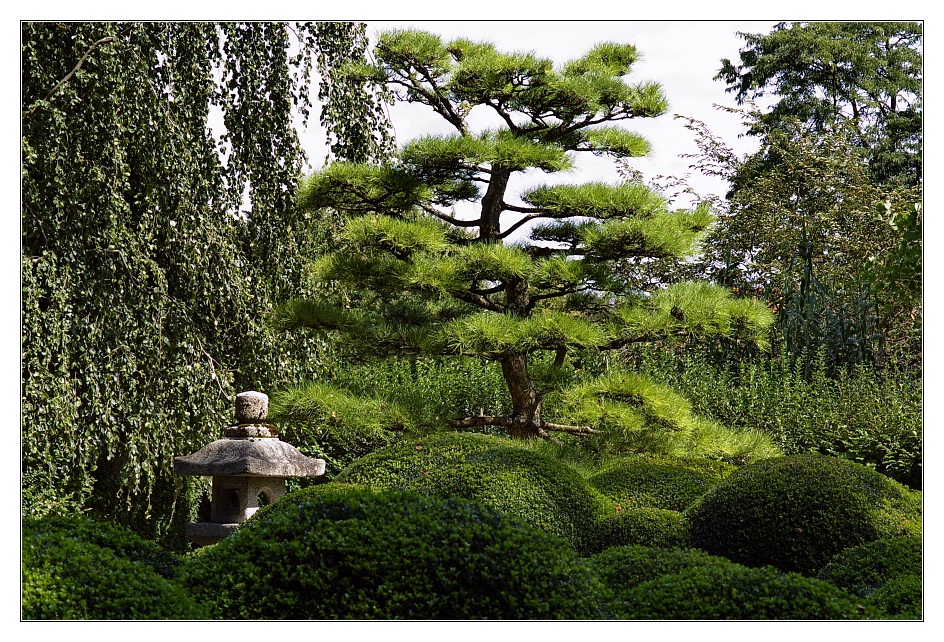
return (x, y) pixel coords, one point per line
(530, 278)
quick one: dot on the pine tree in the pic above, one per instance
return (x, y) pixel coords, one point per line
(516, 279)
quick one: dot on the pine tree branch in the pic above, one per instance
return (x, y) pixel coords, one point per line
(573, 430)
(472, 422)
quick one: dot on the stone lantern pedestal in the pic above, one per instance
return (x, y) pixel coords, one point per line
(249, 467)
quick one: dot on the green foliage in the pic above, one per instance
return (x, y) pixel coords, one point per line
(654, 482)
(144, 282)
(636, 415)
(78, 569)
(870, 418)
(496, 472)
(900, 598)
(325, 422)
(655, 527)
(341, 552)
(797, 512)
(622, 568)
(816, 319)
(726, 591)
(862, 570)
(402, 241)
(868, 74)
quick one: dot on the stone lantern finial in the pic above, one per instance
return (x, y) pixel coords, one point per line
(249, 467)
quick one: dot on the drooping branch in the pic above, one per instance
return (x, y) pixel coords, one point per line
(75, 69)
(542, 427)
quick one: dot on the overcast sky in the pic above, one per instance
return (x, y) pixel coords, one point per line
(683, 56)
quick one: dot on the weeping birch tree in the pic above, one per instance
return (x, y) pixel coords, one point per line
(437, 254)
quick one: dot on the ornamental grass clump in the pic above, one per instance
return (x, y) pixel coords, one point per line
(339, 551)
(796, 513)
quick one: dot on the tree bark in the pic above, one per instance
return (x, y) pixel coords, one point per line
(525, 400)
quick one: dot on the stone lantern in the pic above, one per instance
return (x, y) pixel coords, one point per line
(249, 467)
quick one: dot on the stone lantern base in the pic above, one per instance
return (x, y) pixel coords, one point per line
(207, 533)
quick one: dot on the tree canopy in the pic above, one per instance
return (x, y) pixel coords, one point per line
(867, 74)
(516, 278)
(152, 246)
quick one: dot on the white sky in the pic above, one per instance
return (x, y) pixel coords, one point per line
(683, 56)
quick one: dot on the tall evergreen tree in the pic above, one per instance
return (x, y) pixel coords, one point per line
(144, 285)
(865, 74)
(420, 271)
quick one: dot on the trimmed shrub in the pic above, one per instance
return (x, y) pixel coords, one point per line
(900, 598)
(861, 570)
(728, 591)
(624, 567)
(654, 482)
(640, 526)
(78, 569)
(797, 512)
(490, 470)
(338, 551)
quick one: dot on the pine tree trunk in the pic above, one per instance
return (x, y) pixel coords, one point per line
(526, 402)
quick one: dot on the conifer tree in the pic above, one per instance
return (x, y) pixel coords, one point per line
(518, 277)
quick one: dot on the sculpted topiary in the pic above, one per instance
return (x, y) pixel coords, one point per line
(647, 482)
(490, 470)
(78, 569)
(864, 569)
(728, 591)
(797, 512)
(337, 551)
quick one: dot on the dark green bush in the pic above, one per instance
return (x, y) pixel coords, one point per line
(863, 569)
(624, 567)
(337, 551)
(653, 482)
(797, 512)
(642, 526)
(490, 470)
(78, 569)
(900, 598)
(728, 591)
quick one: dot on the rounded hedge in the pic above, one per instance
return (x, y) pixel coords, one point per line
(640, 526)
(796, 513)
(646, 483)
(724, 590)
(496, 472)
(338, 551)
(75, 568)
(900, 598)
(624, 567)
(864, 569)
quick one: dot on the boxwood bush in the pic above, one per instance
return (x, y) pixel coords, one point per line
(657, 482)
(624, 567)
(724, 590)
(531, 486)
(339, 551)
(77, 569)
(864, 569)
(900, 598)
(797, 512)
(640, 526)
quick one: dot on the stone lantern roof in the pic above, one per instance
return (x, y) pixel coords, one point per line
(249, 448)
